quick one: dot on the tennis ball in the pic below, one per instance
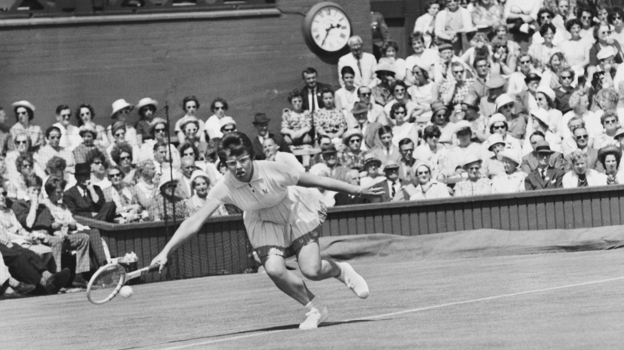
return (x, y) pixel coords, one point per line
(126, 291)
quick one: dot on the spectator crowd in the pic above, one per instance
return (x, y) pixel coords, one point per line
(493, 98)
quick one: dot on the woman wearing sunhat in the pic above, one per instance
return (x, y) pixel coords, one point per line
(610, 158)
(120, 111)
(372, 167)
(540, 123)
(494, 164)
(516, 122)
(24, 113)
(147, 111)
(512, 181)
(475, 184)
(498, 125)
(441, 118)
(353, 156)
(201, 185)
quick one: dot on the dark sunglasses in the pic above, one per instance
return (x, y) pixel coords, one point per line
(21, 142)
(581, 137)
(229, 129)
(219, 108)
(114, 175)
(125, 158)
(54, 137)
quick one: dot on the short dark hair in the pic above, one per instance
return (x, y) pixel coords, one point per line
(384, 130)
(55, 164)
(346, 70)
(326, 90)
(544, 29)
(537, 133)
(186, 145)
(234, 143)
(30, 112)
(50, 129)
(309, 70)
(120, 148)
(159, 144)
(571, 23)
(61, 108)
(33, 180)
(405, 141)
(22, 158)
(293, 94)
(53, 184)
(395, 107)
(189, 98)
(94, 154)
(416, 36)
(615, 11)
(223, 102)
(542, 11)
(77, 113)
(390, 44)
(430, 131)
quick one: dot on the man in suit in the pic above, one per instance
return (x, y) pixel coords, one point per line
(330, 158)
(353, 178)
(531, 161)
(186, 170)
(581, 137)
(261, 123)
(360, 112)
(545, 175)
(86, 199)
(311, 91)
(392, 187)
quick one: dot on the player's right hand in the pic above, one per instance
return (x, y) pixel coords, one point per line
(160, 259)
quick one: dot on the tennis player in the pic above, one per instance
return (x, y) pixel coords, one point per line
(282, 219)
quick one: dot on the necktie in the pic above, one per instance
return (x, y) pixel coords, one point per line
(543, 172)
(360, 69)
(393, 189)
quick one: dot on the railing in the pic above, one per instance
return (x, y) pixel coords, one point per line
(222, 247)
(65, 8)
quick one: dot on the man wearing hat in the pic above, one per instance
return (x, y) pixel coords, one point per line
(544, 176)
(89, 135)
(311, 91)
(442, 69)
(381, 92)
(531, 161)
(353, 155)
(369, 129)
(87, 200)
(363, 63)
(450, 23)
(329, 155)
(261, 123)
(512, 180)
(392, 187)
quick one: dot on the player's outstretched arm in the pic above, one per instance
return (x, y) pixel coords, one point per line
(188, 228)
(308, 180)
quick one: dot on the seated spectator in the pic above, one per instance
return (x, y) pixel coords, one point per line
(399, 94)
(563, 14)
(399, 114)
(453, 91)
(602, 34)
(540, 123)
(53, 221)
(86, 199)
(346, 96)
(504, 61)
(575, 49)
(563, 94)
(526, 98)
(581, 175)
(16, 186)
(423, 56)
(369, 129)
(89, 135)
(363, 63)
(426, 187)
(442, 69)
(296, 122)
(392, 187)
(450, 23)
(606, 100)
(487, 13)
(544, 176)
(341, 198)
(470, 109)
(228, 125)
(120, 112)
(482, 74)
(311, 91)
(494, 164)
(581, 138)
(145, 186)
(512, 180)
(330, 158)
(610, 122)
(430, 151)
(9, 286)
(542, 52)
(550, 75)
(352, 156)
(122, 155)
(496, 86)
(272, 152)
(376, 113)
(329, 121)
(121, 145)
(201, 185)
(546, 16)
(219, 107)
(85, 114)
(476, 184)
(382, 91)
(616, 19)
(498, 125)
(69, 133)
(122, 195)
(454, 158)
(261, 124)
(147, 111)
(387, 151)
(422, 92)
(189, 150)
(579, 102)
(168, 203)
(190, 105)
(390, 52)
(159, 131)
(516, 122)
(441, 118)
(56, 168)
(29, 268)
(371, 167)
(53, 149)
(610, 157)
(425, 24)
(407, 161)
(24, 114)
(192, 134)
(531, 161)
(19, 145)
(186, 170)
(98, 164)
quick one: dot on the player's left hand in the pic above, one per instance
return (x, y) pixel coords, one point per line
(374, 191)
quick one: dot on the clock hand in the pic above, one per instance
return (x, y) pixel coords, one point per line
(327, 34)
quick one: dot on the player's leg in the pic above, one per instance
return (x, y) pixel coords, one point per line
(316, 269)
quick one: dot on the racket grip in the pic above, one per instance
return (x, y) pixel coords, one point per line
(153, 268)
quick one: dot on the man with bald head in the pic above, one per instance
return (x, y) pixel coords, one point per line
(363, 63)
(186, 169)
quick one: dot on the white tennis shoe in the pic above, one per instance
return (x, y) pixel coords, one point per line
(353, 280)
(314, 318)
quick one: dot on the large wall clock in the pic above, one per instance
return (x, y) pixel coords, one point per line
(326, 28)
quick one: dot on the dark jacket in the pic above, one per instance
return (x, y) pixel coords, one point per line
(43, 220)
(387, 195)
(259, 150)
(78, 204)
(347, 199)
(535, 181)
(319, 99)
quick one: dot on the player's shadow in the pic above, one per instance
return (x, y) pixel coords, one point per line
(277, 328)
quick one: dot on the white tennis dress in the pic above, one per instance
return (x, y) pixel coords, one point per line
(279, 216)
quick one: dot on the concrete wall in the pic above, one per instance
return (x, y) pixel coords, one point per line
(251, 62)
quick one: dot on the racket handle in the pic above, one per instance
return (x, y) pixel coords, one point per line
(140, 272)
(153, 268)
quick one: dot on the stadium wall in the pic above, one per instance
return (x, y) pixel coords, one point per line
(222, 247)
(252, 60)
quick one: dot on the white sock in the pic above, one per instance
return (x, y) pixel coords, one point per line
(341, 277)
(315, 303)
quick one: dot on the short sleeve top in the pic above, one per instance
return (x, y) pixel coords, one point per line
(267, 188)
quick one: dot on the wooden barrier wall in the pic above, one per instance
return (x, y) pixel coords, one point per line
(222, 247)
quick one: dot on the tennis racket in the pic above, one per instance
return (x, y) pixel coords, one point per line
(108, 280)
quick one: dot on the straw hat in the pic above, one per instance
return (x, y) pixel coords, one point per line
(605, 53)
(24, 104)
(155, 122)
(619, 132)
(198, 173)
(471, 158)
(496, 118)
(359, 107)
(350, 133)
(541, 115)
(493, 140)
(369, 158)
(511, 155)
(227, 121)
(119, 105)
(147, 102)
(385, 67)
(166, 177)
(547, 91)
(189, 120)
(495, 82)
(503, 100)
(88, 128)
(421, 163)
(461, 125)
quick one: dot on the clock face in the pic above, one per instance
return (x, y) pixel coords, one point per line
(330, 28)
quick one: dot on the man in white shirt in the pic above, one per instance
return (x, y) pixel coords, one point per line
(363, 64)
(186, 169)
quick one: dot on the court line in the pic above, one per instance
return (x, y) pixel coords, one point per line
(209, 342)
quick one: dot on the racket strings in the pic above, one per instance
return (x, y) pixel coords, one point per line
(105, 283)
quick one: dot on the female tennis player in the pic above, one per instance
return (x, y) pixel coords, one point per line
(282, 219)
